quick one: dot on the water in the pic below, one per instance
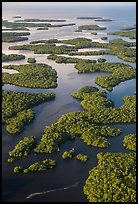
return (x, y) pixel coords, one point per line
(65, 182)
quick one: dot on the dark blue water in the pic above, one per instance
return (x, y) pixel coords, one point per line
(65, 182)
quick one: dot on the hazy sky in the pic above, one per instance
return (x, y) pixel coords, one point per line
(69, 3)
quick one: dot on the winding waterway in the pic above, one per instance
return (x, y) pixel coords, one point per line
(65, 182)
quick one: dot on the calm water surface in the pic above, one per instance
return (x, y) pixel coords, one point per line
(65, 182)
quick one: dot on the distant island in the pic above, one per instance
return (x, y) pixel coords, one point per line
(16, 16)
(90, 27)
(41, 20)
(103, 20)
(94, 17)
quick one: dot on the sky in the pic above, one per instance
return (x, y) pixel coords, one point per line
(69, 3)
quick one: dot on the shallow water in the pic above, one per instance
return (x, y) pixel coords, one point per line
(65, 182)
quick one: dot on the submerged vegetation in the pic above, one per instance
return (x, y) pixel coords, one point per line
(113, 179)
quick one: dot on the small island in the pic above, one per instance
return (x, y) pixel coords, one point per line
(104, 38)
(16, 16)
(103, 20)
(91, 17)
(31, 60)
(46, 76)
(91, 27)
(12, 57)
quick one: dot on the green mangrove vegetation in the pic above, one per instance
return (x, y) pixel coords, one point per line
(113, 179)
(62, 59)
(102, 20)
(68, 154)
(45, 48)
(19, 28)
(82, 157)
(12, 57)
(94, 33)
(42, 28)
(46, 41)
(88, 124)
(14, 37)
(90, 27)
(104, 38)
(129, 142)
(14, 102)
(90, 17)
(120, 72)
(130, 34)
(16, 16)
(31, 60)
(31, 75)
(16, 124)
(117, 47)
(41, 166)
(17, 169)
(22, 148)
(101, 60)
(16, 24)
(41, 20)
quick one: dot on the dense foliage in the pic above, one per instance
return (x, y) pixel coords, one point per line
(41, 20)
(14, 37)
(23, 148)
(31, 75)
(17, 169)
(82, 157)
(94, 33)
(120, 72)
(113, 179)
(90, 27)
(129, 142)
(16, 124)
(130, 34)
(9, 24)
(12, 57)
(104, 38)
(14, 102)
(62, 59)
(117, 47)
(31, 60)
(68, 154)
(45, 48)
(42, 28)
(41, 166)
(88, 125)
